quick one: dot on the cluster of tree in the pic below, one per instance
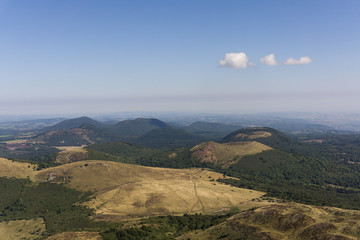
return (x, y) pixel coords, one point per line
(134, 154)
(127, 151)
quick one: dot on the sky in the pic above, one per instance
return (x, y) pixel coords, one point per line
(88, 56)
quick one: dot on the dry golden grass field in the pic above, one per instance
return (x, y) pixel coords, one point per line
(125, 190)
(16, 169)
(64, 148)
(76, 236)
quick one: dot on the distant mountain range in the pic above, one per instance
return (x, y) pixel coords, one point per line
(152, 132)
(143, 131)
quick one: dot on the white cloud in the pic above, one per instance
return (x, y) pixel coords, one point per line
(269, 60)
(236, 60)
(301, 61)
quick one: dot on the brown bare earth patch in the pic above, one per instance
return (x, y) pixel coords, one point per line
(22, 229)
(75, 132)
(125, 190)
(71, 154)
(288, 221)
(76, 236)
(226, 154)
(253, 135)
(314, 141)
(64, 148)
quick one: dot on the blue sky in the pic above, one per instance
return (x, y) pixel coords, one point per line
(83, 56)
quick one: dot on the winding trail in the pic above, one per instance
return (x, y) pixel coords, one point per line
(196, 194)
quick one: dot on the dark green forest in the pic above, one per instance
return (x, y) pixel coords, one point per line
(55, 203)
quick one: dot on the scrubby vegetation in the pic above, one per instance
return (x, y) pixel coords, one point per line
(285, 221)
(166, 227)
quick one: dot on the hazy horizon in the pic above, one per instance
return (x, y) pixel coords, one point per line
(81, 57)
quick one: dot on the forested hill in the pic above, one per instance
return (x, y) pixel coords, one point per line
(72, 123)
(304, 172)
(169, 138)
(137, 127)
(148, 132)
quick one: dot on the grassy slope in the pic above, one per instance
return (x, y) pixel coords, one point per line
(22, 229)
(16, 169)
(226, 154)
(268, 136)
(123, 189)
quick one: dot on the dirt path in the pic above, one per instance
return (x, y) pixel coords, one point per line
(196, 194)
